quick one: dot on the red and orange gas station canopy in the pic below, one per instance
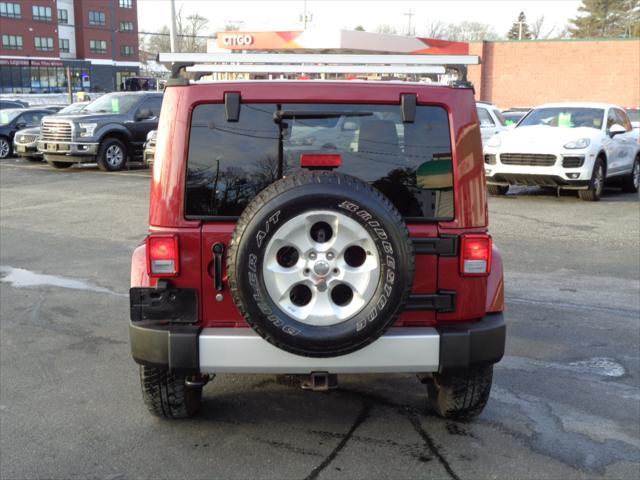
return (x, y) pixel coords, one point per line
(334, 40)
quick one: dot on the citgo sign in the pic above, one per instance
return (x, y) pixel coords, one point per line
(237, 40)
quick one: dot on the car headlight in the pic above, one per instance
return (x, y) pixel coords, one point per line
(494, 141)
(575, 144)
(87, 129)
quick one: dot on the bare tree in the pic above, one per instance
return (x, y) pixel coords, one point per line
(191, 33)
(537, 29)
(470, 32)
(435, 29)
(386, 29)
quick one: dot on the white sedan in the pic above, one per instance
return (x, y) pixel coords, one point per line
(574, 146)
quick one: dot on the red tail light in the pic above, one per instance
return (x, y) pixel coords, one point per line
(162, 255)
(475, 255)
(320, 160)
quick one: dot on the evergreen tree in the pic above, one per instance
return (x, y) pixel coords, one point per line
(521, 23)
(606, 18)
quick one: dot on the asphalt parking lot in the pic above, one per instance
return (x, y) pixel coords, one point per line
(565, 402)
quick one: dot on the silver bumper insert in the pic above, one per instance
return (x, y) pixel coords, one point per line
(233, 350)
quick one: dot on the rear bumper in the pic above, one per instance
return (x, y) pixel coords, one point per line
(241, 350)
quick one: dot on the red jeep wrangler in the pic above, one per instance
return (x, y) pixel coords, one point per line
(317, 228)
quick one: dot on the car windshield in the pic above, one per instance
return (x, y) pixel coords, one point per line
(634, 114)
(7, 116)
(511, 118)
(112, 103)
(566, 117)
(73, 108)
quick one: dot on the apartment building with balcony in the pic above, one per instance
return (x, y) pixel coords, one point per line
(42, 41)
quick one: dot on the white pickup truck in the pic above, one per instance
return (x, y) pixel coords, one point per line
(577, 146)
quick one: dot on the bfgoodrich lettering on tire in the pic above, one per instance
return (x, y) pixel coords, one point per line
(320, 264)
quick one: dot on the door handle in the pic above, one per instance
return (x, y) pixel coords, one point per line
(217, 249)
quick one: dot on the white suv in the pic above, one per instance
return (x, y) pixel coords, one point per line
(574, 146)
(491, 120)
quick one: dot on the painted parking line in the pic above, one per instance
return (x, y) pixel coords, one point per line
(75, 170)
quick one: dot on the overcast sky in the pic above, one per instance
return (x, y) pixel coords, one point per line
(284, 14)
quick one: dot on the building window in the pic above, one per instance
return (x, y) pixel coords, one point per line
(64, 45)
(44, 44)
(12, 42)
(126, 3)
(126, 26)
(11, 10)
(98, 46)
(63, 17)
(42, 14)
(96, 18)
(126, 51)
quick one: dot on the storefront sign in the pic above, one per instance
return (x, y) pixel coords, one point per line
(237, 39)
(46, 63)
(257, 40)
(4, 61)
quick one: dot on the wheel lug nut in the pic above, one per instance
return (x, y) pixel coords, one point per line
(329, 255)
(312, 255)
(306, 271)
(336, 271)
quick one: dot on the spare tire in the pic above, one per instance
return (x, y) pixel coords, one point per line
(320, 264)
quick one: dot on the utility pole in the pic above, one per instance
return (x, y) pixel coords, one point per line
(409, 14)
(172, 26)
(305, 17)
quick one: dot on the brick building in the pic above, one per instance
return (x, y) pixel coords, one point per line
(97, 40)
(528, 73)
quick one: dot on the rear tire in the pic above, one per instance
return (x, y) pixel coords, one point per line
(497, 190)
(596, 185)
(166, 395)
(460, 396)
(59, 165)
(631, 182)
(112, 155)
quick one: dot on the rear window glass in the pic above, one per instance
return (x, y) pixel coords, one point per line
(229, 163)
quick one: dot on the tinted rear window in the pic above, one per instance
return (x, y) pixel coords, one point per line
(231, 162)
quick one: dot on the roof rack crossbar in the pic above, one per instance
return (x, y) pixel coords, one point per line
(329, 59)
(306, 68)
(202, 63)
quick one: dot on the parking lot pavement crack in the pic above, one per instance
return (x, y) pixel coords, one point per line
(362, 416)
(412, 415)
(413, 418)
(550, 437)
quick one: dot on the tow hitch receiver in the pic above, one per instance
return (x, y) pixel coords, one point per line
(319, 381)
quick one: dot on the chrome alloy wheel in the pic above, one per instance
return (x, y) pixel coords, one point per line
(321, 268)
(4, 148)
(114, 156)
